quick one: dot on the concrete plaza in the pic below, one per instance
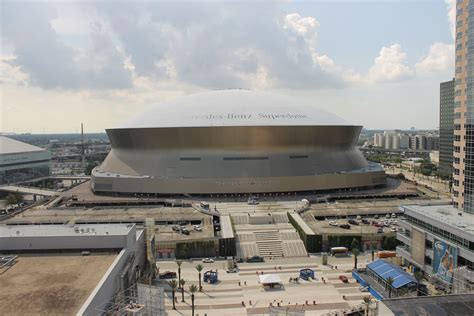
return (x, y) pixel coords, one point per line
(228, 297)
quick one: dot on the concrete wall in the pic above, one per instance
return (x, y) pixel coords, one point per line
(107, 287)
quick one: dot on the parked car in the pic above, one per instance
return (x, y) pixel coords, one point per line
(394, 215)
(380, 230)
(353, 222)
(208, 260)
(345, 226)
(376, 217)
(168, 275)
(344, 279)
(175, 228)
(256, 259)
(198, 228)
(365, 221)
(184, 231)
(333, 223)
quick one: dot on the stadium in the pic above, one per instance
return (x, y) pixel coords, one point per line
(234, 141)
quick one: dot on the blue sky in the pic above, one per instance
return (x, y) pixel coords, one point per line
(374, 63)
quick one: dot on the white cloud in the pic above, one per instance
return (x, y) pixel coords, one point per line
(390, 65)
(451, 7)
(303, 26)
(439, 58)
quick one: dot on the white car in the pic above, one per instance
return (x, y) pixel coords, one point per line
(198, 228)
(333, 223)
(208, 260)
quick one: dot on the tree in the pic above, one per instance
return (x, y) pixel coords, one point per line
(182, 282)
(373, 246)
(389, 283)
(199, 268)
(13, 198)
(367, 302)
(179, 263)
(419, 278)
(173, 285)
(192, 289)
(355, 250)
(90, 165)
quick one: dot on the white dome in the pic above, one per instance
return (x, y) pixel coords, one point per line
(234, 108)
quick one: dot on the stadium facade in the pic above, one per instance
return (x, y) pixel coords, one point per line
(234, 141)
(21, 161)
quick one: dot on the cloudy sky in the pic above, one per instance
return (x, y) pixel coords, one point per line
(374, 63)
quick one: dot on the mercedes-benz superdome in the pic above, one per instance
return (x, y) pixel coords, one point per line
(234, 141)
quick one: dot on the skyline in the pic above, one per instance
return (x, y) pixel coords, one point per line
(86, 62)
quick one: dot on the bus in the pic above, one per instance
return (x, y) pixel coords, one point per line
(339, 251)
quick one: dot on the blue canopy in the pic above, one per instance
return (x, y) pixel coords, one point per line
(385, 269)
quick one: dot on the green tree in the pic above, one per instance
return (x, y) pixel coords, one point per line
(179, 263)
(373, 246)
(192, 289)
(390, 281)
(90, 165)
(419, 277)
(13, 198)
(367, 302)
(199, 268)
(173, 285)
(182, 282)
(355, 250)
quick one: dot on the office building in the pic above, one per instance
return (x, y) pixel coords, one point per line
(234, 141)
(446, 127)
(463, 166)
(439, 240)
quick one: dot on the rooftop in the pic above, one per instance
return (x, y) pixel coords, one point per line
(51, 285)
(234, 108)
(441, 305)
(63, 230)
(447, 214)
(10, 146)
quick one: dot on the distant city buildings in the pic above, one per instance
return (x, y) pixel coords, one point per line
(463, 166)
(446, 127)
(399, 140)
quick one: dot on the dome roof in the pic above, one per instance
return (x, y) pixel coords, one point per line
(234, 108)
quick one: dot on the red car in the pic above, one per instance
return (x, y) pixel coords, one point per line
(344, 279)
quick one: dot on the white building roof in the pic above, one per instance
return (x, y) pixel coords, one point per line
(10, 146)
(64, 230)
(447, 215)
(234, 108)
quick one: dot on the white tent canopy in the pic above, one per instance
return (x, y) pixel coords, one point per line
(269, 279)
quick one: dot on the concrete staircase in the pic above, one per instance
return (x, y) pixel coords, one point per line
(269, 243)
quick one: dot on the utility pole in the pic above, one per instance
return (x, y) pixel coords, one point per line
(83, 155)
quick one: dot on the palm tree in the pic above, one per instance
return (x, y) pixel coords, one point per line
(173, 285)
(192, 289)
(355, 250)
(182, 282)
(199, 268)
(389, 283)
(179, 263)
(373, 246)
(419, 278)
(367, 302)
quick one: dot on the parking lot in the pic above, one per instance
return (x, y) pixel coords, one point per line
(241, 293)
(351, 225)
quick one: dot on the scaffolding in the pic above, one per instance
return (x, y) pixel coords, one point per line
(139, 299)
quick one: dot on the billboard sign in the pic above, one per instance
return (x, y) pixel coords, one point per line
(445, 260)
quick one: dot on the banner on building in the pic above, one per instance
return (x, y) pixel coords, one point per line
(445, 260)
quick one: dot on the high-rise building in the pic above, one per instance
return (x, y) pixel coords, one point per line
(446, 127)
(463, 155)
